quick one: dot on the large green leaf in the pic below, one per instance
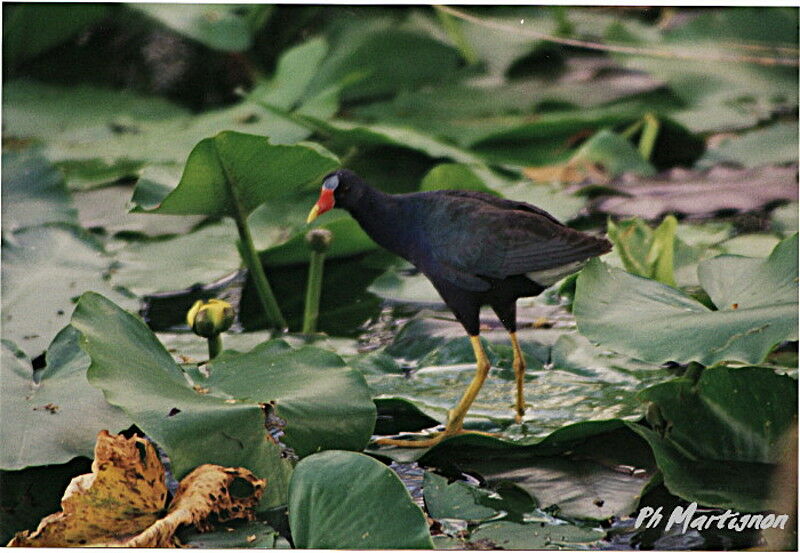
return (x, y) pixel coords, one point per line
(591, 470)
(33, 192)
(248, 166)
(220, 27)
(53, 415)
(137, 374)
(723, 434)
(323, 403)
(653, 322)
(345, 500)
(536, 536)
(44, 269)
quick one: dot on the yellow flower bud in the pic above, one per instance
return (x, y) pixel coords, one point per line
(210, 318)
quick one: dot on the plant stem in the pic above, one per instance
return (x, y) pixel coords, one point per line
(214, 346)
(649, 134)
(251, 260)
(453, 30)
(313, 292)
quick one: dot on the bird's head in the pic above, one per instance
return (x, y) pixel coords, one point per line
(339, 189)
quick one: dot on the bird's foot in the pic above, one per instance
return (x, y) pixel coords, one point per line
(433, 440)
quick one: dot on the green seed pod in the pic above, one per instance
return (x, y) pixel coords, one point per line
(319, 239)
(210, 318)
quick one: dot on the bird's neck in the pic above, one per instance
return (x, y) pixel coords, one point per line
(382, 217)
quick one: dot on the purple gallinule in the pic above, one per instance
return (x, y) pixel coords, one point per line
(476, 249)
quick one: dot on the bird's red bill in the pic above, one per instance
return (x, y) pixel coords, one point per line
(325, 203)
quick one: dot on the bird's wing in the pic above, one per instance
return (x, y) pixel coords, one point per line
(480, 238)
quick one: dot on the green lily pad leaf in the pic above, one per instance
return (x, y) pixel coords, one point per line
(247, 165)
(403, 283)
(380, 59)
(784, 218)
(750, 245)
(137, 374)
(336, 412)
(220, 27)
(202, 256)
(358, 134)
(53, 415)
(44, 269)
(32, 29)
(233, 535)
(33, 192)
(100, 135)
(656, 323)
(774, 145)
(644, 251)
(106, 209)
(727, 425)
(591, 470)
(373, 511)
(456, 500)
(535, 536)
(702, 193)
(568, 380)
(614, 153)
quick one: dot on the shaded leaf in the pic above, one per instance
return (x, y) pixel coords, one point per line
(32, 29)
(512, 535)
(33, 192)
(374, 511)
(657, 323)
(456, 500)
(774, 145)
(52, 415)
(592, 470)
(723, 434)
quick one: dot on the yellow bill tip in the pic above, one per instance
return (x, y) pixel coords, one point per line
(313, 214)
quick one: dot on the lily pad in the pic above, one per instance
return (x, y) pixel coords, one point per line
(656, 323)
(723, 436)
(593, 470)
(168, 404)
(33, 192)
(248, 166)
(36, 302)
(536, 536)
(773, 145)
(457, 499)
(53, 415)
(568, 380)
(373, 511)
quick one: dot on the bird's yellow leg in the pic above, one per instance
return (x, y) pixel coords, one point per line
(455, 419)
(519, 376)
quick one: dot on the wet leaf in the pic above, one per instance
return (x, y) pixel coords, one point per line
(591, 470)
(512, 535)
(457, 499)
(723, 434)
(568, 380)
(44, 269)
(702, 193)
(52, 415)
(657, 323)
(374, 511)
(33, 192)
